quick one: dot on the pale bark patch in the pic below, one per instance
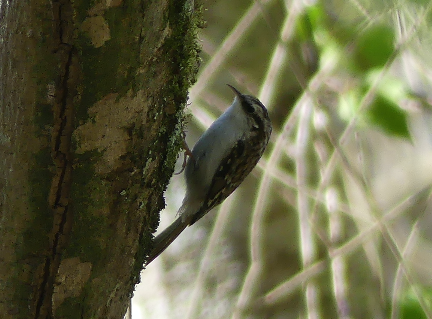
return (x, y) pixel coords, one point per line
(71, 277)
(106, 128)
(97, 29)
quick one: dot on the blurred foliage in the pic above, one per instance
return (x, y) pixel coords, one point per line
(333, 210)
(410, 305)
(372, 48)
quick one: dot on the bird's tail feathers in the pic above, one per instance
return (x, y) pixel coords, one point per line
(164, 239)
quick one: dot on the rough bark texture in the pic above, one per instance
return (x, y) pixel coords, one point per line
(92, 94)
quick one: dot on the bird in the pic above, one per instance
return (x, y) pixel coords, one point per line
(219, 162)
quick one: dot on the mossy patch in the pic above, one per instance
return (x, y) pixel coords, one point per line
(89, 222)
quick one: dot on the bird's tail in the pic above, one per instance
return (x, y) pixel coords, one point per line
(164, 239)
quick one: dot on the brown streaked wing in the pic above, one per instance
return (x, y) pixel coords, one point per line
(236, 165)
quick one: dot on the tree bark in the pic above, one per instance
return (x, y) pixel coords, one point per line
(92, 98)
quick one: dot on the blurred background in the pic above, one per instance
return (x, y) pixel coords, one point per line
(336, 219)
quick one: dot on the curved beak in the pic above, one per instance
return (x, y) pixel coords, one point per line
(237, 92)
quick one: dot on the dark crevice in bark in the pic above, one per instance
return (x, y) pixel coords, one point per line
(65, 93)
(42, 288)
(63, 132)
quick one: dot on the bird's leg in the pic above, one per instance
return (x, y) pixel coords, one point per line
(187, 152)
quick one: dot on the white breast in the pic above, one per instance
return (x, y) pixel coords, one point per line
(215, 144)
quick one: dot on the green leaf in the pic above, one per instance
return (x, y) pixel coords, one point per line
(410, 306)
(374, 47)
(349, 103)
(388, 116)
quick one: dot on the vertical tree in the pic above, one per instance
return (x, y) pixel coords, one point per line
(92, 94)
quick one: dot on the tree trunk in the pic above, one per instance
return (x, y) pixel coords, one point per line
(90, 126)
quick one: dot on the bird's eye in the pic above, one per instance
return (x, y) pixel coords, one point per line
(248, 107)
